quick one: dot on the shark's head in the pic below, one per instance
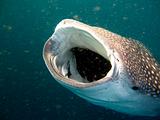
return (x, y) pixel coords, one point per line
(102, 67)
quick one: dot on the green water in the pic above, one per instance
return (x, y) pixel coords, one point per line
(27, 90)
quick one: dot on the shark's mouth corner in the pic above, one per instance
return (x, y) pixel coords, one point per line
(77, 55)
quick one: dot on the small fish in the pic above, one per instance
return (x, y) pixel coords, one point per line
(104, 68)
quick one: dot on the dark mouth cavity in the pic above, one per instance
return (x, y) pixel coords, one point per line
(90, 65)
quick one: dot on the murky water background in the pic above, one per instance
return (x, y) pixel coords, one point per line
(27, 90)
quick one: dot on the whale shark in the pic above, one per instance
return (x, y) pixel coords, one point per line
(104, 68)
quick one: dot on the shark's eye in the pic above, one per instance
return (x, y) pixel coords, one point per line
(90, 65)
(135, 88)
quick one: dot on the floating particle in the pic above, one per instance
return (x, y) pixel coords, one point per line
(143, 32)
(97, 8)
(114, 5)
(43, 10)
(76, 17)
(28, 11)
(125, 18)
(26, 51)
(48, 23)
(7, 27)
(10, 68)
(58, 106)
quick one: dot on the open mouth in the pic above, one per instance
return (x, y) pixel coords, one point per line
(77, 55)
(90, 65)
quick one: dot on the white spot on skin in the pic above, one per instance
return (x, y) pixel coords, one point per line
(153, 89)
(129, 73)
(147, 66)
(152, 72)
(153, 77)
(154, 86)
(147, 75)
(148, 58)
(153, 67)
(155, 82)
(143, 59)
(149, 84)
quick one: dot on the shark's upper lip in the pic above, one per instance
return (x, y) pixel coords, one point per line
(55, 53)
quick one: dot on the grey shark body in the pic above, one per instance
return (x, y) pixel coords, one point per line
(104, 68)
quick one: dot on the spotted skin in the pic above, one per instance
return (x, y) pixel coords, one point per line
(141, 66)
